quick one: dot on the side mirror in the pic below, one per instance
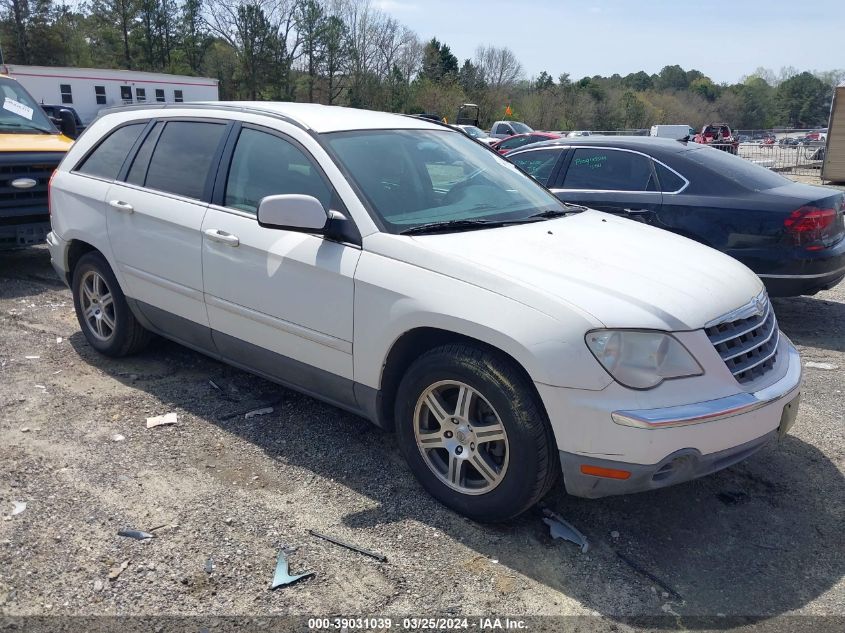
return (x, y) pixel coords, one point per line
(294, 212)
(67, 123)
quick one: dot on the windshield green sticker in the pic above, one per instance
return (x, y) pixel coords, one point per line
(18, 108)
(593, 162)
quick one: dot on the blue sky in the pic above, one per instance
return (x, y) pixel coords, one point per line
(723, 39)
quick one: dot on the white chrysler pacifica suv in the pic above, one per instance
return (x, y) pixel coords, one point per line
(398, 269)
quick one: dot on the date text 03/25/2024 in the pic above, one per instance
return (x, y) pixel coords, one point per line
(417, 624)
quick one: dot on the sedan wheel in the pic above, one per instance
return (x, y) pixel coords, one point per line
(461, 437)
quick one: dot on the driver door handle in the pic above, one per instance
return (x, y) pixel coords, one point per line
(122, 206)
(636, 211)
(217, 235)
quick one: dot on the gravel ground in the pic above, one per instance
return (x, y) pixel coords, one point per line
(761, 538)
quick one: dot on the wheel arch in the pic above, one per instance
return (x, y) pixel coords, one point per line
(417, 341)
(76, 250)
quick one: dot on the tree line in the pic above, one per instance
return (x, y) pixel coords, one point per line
(348, 52)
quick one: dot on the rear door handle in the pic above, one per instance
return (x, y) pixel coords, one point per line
(122, 206)
(637, 211)
(216, 235)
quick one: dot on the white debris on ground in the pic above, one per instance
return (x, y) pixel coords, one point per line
(161, 420)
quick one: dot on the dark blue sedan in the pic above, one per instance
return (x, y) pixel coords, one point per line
(792, 235)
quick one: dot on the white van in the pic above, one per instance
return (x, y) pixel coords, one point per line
(672, 131)
(507, 337)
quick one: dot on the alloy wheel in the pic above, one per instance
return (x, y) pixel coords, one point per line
(461, 437)
(97, 303)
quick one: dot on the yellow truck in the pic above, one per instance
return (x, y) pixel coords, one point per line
(31, 147)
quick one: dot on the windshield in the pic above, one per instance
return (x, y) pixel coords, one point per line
(520, 128)
(474, 132)
(19, 112)
(416, 177)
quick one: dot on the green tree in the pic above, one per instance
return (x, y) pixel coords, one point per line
(544, 81)
(705, 88)
(118, 18)
(470, 78)
(634, 110)
(336, 51)
(639, 81)
(310, 23)
(193, 34)
(439, 64)
(672, 78)
(803, 100)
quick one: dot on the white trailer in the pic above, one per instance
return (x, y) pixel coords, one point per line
(88, 90)
(672, 131)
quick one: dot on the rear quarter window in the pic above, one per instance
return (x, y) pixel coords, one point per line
(107, 158)
(669, 180)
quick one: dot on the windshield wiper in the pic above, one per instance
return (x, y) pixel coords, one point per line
(452, 225)
(557, 213)
(21, 126)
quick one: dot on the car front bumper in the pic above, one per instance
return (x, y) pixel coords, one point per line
(627, 450)
(21, 235)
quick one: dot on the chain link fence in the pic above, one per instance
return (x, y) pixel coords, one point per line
(790, 152)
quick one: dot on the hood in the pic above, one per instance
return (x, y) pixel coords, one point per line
(621, 272)
(34, 143)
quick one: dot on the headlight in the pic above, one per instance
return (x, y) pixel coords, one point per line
(641, 360)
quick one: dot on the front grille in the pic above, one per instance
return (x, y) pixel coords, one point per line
(747, 340)
(29, 201)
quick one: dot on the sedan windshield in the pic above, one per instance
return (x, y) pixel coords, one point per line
(474, 132)
(19, 112)
(412, 178)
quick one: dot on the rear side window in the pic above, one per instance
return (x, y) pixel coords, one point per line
(601, 169)
(106, 160)
(669, 180)
(538, 164)
(183, 156)
(264, 165)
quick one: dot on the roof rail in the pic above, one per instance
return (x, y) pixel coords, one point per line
(205, 106)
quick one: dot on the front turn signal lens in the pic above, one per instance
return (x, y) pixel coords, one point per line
(607, 473)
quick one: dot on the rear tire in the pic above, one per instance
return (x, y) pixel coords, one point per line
(102, 311)
(474, 432)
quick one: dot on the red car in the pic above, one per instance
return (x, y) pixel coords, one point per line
(518, 140)
(720, 136)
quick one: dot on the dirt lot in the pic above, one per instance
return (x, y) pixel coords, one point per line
(762, 538)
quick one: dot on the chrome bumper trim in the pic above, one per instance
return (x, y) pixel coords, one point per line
(712, 410)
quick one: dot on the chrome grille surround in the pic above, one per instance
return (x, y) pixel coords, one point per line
(747, 338)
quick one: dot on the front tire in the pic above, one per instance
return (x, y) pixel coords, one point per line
(101, 309)
(474, 432)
